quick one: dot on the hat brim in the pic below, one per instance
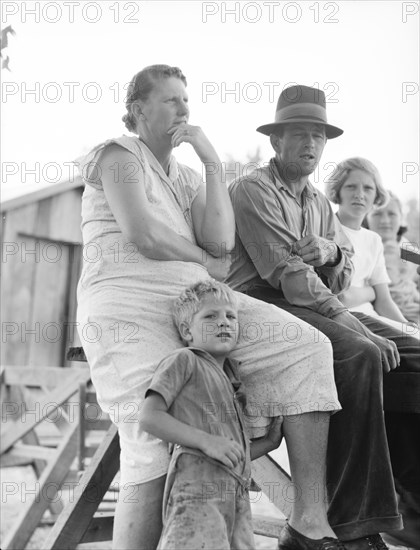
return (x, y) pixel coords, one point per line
(331, 132)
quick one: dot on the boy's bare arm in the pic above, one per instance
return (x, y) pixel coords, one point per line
(271, 441)
(156, 420)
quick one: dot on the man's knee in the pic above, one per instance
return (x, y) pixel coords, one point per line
(360, 359)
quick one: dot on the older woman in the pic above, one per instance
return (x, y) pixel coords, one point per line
(151, 228)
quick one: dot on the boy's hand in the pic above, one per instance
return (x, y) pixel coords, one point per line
(221, 448)
(275, 434)
(263, 445)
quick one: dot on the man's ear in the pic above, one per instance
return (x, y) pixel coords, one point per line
(275, 142)
(184, 331)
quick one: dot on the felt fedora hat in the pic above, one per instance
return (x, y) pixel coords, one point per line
(301, 104)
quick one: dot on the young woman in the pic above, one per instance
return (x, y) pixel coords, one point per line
(387, 221)
(356, 187)
(150, 229)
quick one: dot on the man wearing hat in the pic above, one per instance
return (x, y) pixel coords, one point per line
(286, 253)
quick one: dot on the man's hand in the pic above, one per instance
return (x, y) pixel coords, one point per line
(218, 268)
(316, 251)
(389, 351)
(221, 448)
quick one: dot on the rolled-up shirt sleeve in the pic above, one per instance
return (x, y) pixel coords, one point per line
(339, 276)
(261, 223)
(170, 377)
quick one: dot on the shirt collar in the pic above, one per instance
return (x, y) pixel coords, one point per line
(309, 191)
(230, 365)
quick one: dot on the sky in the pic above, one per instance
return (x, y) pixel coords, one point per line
(71, 60)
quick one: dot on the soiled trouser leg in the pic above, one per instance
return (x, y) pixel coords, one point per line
(138, 516)
(204, 508)
(362, 499)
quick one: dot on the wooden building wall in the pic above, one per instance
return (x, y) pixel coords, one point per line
(41, 263)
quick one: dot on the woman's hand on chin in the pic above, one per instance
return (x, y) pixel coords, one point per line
(186, 133)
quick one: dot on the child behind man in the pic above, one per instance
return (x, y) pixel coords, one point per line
(195, 401)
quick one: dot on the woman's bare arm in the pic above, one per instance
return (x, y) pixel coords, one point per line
(384, 304)
(212, 212)
(355, 296)
(125, 192)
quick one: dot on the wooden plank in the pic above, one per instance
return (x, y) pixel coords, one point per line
(27, 219)
(267, 526)
(58, 417)
(66, 206)
(32, 194)
(52, 476)
(76, 516)
(7, 461)
(29, 404)
(97, 425)
(100, 528)
(81, 443)
(39, 376)
(76, 353)
(17, 278)
(89, 453)
(51, 213)
(91, 397)
(11, 261)
(49, 304)
(95, 546)
(274, 482)
(76, 261)
(46, 407)
(31, 438)
(41, 230)
(32, 451)
(28, 228)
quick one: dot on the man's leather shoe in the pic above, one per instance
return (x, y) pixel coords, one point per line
(371, 542)
(290, 539)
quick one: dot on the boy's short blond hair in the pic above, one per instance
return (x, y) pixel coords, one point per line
(189, 302)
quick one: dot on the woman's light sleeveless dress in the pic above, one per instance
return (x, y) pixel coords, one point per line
(126, 327)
